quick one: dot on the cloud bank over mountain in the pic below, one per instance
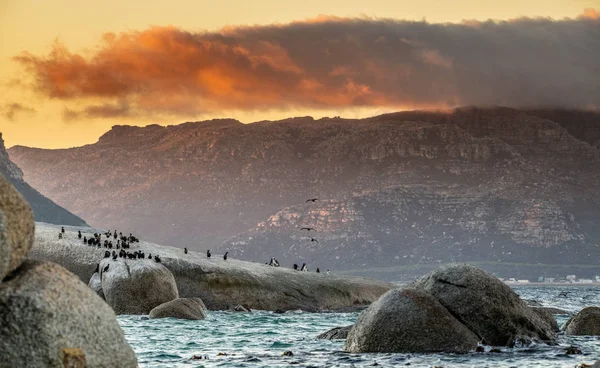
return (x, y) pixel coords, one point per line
(326, 62)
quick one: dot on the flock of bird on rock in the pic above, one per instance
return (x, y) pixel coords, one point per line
(124, 242)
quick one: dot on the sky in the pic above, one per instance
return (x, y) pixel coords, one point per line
(69, 70)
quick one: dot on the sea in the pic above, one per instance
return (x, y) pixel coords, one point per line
(260, 339)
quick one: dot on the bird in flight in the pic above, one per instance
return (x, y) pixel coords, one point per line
(311, 200)
(313, 239)
(307, 228)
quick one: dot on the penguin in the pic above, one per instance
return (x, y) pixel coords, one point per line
(328, 272)
(157, 259)
(304, 268)
(318, 270)
(208, 253)
(225, 256)
(106, 254)
(85, 240)
(276, 264)
(295, 267)
(79, 234)
(185, 251)
(62, 229)
(114, 255)
(149, 256)
(272, 261)
(115, 234)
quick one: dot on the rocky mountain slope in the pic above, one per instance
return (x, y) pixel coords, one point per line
(401, 191)
(44, 209)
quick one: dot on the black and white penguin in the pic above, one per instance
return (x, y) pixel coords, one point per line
(62, 229)
(304, 268)
(295, 267)
(185, 251)
(208, 253)
(149, 256)
(106, 254)
(79, 234)
(318, 270)
(225, 256)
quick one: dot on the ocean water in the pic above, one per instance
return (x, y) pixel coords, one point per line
(259, 339)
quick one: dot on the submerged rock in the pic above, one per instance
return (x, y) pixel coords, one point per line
(47, 312)
(338, 333)
(487, 306)
(182, 308)
(17, 228)
(409, 321)
(136, 286)
(584, 323)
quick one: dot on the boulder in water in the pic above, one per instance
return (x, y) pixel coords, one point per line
(547, 316)
(486, 305)
(17, 228)
(48, 315)
(96, 285)
(136, 286)
(584, 323)
(338, 333)
(409, 321)
(182, 308)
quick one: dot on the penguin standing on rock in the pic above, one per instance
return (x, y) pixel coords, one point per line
(208, 253)
(62, 229)
(225, 256)
(304, 268)
(185, 250)
(79, 234)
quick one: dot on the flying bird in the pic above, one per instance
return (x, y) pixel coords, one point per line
(311, 200)
(307, 228)
(313, 239)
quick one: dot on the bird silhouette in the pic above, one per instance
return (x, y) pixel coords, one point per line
(208, 253)
(311, 200)
(313, 240)
(307, 228)
(225, 256)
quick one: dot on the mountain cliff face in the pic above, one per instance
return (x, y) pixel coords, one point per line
(45, 210)
(398, 191)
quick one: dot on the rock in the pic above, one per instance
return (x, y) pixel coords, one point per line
(584, 323)
(485, 305)
(338, 333)
(218, 283)
(532, 303)
(96, 285)
(553, 310)
(73, 358)
(573, 350)
(547, 316)
(409, 321)
(49, 317)
(240, 308)
(136, 286)
(596, 365)
(182, 308)
(17, 228)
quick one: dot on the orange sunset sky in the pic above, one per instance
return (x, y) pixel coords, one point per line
(69, 69)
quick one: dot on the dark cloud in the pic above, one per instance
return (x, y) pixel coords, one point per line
(11, 110)
(98, 111)
(330, 62)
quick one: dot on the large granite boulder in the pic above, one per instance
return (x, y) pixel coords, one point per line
(220, 284)
(136, 286)
(596, 365)
(486, 305)
(584, 323)
(337, 333)
(409, 321)
(46, 312)
(547, 316)
(182, 308)
(17, 228)
(96, 285)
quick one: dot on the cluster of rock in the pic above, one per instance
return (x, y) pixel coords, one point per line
(49, 317)
(452, 309)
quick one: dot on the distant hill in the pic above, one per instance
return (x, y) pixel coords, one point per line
(398, 193)
(45, 210)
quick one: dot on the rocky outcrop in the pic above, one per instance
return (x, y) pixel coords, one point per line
(584, 323)
(136, 286)
(485, 305)
(43, 208)
(219, 283)
(16, 228)
(409, 321)
(96, 285)
(406, 189)
(547, 316)
(596, 365)
(338, 333)
(182, 308)
(47, 312)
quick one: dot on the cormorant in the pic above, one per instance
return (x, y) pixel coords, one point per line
(225, 256)
(307, 228)
(312, 200)
(208, 253)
